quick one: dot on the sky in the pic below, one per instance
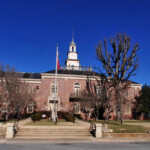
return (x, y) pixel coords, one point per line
(30, 30)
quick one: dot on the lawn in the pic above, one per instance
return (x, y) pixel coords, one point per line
(124, 128)
(45, 122)
(8, 121)
(136, 121)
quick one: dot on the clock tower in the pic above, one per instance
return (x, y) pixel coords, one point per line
(72, 62)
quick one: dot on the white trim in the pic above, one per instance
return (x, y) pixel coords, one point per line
(136, 85)
(68, 76)
(31, 80)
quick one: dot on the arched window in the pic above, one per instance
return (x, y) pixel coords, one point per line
(72, 49)
(77, 87)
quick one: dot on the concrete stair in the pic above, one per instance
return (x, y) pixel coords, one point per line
(53, 132)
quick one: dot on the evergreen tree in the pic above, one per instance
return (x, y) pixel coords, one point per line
(142, 104)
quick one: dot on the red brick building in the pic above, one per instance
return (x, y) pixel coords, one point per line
(71, 79)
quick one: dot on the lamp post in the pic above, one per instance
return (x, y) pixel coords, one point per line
(34, 105)
(73, 112)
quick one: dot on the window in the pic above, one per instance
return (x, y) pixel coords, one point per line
(98, 91)
(72, 49)
(37, 87)
(31, 89)
(127, 109)
(127, 94)
(72, 67)
(77, 89)
(30, 108)
(77, 108)
(53, 88)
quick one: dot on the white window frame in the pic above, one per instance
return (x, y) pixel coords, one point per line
(77, 88)
(127, 109)
(53, 84)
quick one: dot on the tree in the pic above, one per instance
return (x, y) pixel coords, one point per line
(142, 104)
(14, 93)
(95, 98)
(119, 63)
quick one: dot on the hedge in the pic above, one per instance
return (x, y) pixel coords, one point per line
(36, 117)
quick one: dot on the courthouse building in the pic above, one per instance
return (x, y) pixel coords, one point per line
(71, 79)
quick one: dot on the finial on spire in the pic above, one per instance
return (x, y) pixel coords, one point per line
(72, 34)
(72, 42)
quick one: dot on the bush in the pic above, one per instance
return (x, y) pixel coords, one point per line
(65, 115)
(47, 113)
(78, 116)
(36, 117)
(62, 114)
(26, 115)
(69, 117)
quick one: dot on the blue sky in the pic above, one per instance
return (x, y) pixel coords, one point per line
(30, 29)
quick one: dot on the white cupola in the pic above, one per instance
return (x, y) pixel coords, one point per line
(72, 62)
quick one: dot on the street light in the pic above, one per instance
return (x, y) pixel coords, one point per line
(73, 112)
(34, 105)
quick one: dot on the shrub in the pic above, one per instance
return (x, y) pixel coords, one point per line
(26, 115)
(62, 114)
(69, 117)
(47, 113)
(78, 116)
(65, 115)
(36, 117)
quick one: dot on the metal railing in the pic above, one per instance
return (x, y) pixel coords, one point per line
(80, 68)
(75, 95)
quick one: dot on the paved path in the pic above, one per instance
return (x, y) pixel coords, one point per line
(24, 121)
(77, 123)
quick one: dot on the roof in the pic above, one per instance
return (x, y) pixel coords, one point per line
(30, 75)
(74, 72)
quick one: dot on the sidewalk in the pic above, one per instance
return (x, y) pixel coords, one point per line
(122, 140)
(23, 122)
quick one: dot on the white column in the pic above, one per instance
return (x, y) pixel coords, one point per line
(10, 130)
(98, 133)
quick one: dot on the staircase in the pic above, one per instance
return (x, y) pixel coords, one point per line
(53, 132)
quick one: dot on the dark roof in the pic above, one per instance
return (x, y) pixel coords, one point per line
(135, 82)
(74, 72)
(30, 75)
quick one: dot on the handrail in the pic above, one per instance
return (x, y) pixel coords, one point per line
(16, 127)
(92, 126)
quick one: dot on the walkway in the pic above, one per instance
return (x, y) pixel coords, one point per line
(23, 122)
(77, 123)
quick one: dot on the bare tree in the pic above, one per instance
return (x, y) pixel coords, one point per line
(120, 63)
(95, 97)
(14, 93)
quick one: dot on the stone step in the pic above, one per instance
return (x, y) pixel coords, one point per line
(75, 128)
(57, 132)
(51, 134)
(53, 129)
(51, 137)
(24, 131)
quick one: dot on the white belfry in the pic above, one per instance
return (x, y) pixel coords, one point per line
(72, 62)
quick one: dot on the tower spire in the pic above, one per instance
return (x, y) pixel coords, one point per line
(72, 35)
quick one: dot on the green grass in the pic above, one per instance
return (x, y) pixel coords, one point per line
(128, 128)
(9, 121)
(136, 121)
(44, 122)
(125, 128)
